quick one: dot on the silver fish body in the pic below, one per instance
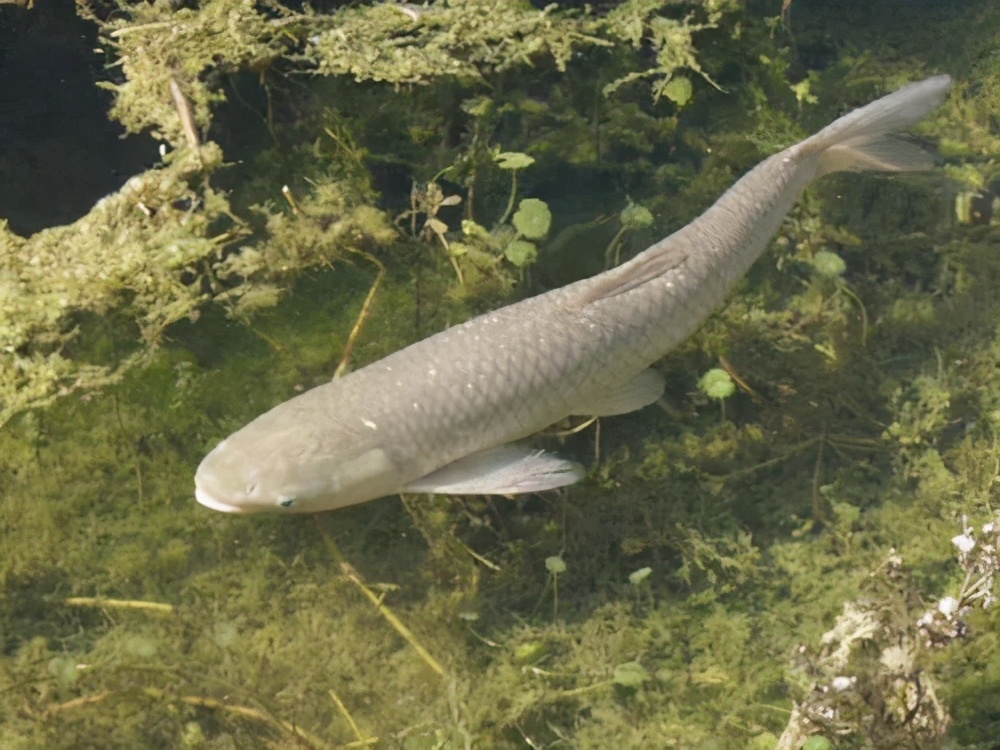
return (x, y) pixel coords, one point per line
(443, 414)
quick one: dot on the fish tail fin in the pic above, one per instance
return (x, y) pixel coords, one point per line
(742, 221)
(861, 140)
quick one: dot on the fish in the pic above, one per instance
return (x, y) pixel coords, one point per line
(447, 413)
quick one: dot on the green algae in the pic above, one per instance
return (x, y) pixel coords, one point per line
(797, 541)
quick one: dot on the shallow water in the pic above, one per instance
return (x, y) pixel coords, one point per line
(684, 595)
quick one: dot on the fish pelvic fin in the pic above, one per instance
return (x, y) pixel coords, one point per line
(862, 141)
(505, 470)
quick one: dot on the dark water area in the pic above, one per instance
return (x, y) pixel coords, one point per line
(59, 152)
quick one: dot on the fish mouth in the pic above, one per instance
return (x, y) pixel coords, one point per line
(207, 484)
(210, 502)
(204, 481)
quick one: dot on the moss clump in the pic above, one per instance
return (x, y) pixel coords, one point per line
(152, 254)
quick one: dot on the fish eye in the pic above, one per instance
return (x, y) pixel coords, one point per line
(286, 502)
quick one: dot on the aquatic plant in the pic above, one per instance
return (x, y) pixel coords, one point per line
(152, 255)
(426, 201)
(878, 653)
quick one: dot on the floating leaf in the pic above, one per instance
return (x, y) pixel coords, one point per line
(631, 674)
(513, 160)
(501, 236)
(634, 216)
(521, 253)
(829, 265)
(533, 218)
(678, 90)
(555, 565)
(717, 384)
(638, 576)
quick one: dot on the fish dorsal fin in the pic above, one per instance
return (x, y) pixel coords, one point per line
(505, 470)
(635, 393)
(651, 263)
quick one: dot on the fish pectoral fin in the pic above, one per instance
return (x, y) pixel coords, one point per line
(506, 470)
(635, 393)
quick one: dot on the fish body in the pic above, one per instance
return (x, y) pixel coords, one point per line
(444, 414)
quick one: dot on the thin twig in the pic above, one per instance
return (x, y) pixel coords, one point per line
(98, 601)
(184, 112)
(118, 33)
(362, 741)
(195, 700)
(256, 714)
(354, 577)
(365, 308)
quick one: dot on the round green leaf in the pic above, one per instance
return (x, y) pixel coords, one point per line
(817, 742)
(634, 216)
(717, 384)
(829, 265)
(513, 160)
(678, 90)
(533, 218)
(521, 253)
(555, 565)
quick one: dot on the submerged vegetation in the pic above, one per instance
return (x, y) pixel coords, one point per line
(799, 550)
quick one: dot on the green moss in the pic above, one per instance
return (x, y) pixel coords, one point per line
(798, 541)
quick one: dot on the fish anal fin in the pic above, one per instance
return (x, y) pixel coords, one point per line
(505, 470)
(635, 393)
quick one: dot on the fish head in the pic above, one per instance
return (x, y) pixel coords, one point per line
(292, 470)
